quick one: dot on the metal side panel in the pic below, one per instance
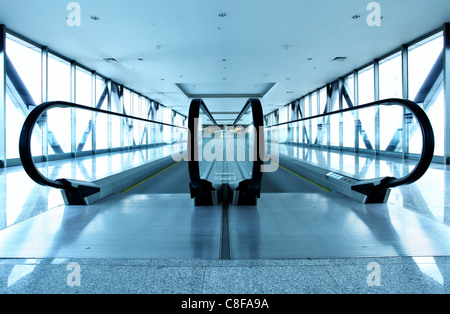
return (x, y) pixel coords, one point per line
(126, 179)
(325, 178)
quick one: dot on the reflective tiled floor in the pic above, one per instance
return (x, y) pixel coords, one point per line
(429, 196)
(118, 244)
(21, 198)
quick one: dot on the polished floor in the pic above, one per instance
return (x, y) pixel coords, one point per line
(299, 239)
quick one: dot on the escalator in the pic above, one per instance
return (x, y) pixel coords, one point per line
(225, 162)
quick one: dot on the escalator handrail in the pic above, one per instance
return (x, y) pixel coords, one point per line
(258, 122)
(428, 139)
(27, 131)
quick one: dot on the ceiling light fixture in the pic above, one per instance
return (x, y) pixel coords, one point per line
(340, 59)
(110, 60)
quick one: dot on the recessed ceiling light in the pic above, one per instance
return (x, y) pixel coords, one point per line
(110, 60)
(95, 18)
(340, 59)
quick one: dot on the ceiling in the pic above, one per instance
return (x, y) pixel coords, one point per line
(223, 50)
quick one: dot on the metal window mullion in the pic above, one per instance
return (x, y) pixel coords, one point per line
(356, 104)
(328, 106)
(341, 116)
(109, 118)
(122, 120)
(73, 121)
(94, 116)
(3, 96)
(318, 112)
(405, 95)
(446, 93)
(376, 74)
(309, 121)
(44, 98)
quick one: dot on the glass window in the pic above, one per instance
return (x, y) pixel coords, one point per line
(390, 87)
(167, 129)
(83, 96)
(348, 117)
(26, 61)
(366, 85)
(59, 120)
(101, 119)
(136, 123)
(314, 121)
(366, 116)
(422, 58)
(322, 128)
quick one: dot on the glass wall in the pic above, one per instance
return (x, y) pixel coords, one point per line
(378, 129)
(24, 60)
(426, 85)
(391, 86)
(83, 96)
(37, 75)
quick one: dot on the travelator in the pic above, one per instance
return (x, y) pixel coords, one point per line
(227, 162)
(238, 181)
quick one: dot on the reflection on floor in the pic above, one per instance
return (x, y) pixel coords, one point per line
(428, 196)
(328, 245)
(21, 198)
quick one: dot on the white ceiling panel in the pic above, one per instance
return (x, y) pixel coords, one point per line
(226, 47)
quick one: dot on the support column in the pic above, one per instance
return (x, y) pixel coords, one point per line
(447, 93)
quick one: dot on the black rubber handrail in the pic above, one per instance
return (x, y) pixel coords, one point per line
(428, 140)
(258, 122)
(27, 131)
(200, 188)
(196, 106)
